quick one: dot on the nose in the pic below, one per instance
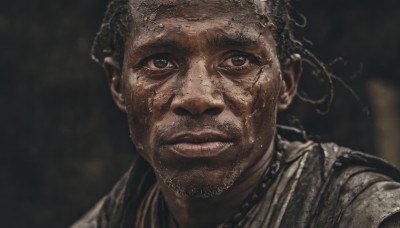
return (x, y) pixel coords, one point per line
(197, 94)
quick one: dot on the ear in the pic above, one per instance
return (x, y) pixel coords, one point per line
(291, 72)
(113, 72)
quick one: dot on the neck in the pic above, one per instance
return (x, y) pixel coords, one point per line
(211, 212)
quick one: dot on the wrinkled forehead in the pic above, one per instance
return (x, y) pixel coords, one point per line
(240, 10)
(181, 21)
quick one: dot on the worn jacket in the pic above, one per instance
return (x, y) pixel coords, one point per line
(319, 185)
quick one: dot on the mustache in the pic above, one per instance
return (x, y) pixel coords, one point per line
(228, 128)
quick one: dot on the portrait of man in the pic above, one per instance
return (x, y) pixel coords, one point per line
(200, 114)
(202, 84)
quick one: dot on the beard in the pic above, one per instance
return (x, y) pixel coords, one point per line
(200, 177)
(196, 183)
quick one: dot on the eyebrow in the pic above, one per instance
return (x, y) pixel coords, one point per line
(160, 43)
(213, 39)
(235, 40)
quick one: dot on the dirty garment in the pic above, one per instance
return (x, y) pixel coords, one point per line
(319, 185)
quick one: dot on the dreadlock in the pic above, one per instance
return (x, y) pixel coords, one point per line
(110, 41)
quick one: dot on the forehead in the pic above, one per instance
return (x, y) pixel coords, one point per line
(194, 10)
(157, 18)
(193, 7)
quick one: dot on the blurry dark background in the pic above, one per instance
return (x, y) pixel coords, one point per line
(63, 143)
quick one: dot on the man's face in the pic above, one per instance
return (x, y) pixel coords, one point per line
(201, 81)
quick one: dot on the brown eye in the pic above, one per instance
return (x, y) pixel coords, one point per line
(160, 62)
(238, 63)
(238, 60)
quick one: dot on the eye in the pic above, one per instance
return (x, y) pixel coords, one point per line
(238, 63)
(159, 62)
(235, 61)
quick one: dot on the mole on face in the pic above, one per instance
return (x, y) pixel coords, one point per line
(201, 80)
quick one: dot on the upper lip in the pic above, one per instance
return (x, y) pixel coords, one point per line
(198, 137)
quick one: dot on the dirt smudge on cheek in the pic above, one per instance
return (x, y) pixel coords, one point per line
(257, 77)
(150, 103)
(264, 91)
(137, 107)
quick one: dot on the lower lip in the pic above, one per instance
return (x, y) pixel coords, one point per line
(200, 150)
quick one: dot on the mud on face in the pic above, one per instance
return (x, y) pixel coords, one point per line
(201, 89)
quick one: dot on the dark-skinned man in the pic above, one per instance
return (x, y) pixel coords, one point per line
(202, 83)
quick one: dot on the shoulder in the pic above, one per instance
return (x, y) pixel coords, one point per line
(355, 189)
(369, 190)
(363, 189)
(374, 204)
(98, 216)
(91, 218)
(121, 202)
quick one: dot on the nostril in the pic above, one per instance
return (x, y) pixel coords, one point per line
(196, 106)
(181, 112)
(213, 111)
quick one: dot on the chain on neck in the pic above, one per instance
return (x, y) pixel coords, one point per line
(270, 174)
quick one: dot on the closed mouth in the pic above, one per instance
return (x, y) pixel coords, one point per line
(199, 144)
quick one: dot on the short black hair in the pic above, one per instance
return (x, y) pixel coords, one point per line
(110, 40)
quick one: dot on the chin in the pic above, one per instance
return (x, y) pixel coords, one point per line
(198, 183)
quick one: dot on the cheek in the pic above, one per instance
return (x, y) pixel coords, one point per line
(265, 111)
(248, 98)
(265, 104)
(146, 103)
(137, 114)
(137, 100)
(255, 103)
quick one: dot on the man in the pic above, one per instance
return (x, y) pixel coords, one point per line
(202, 83)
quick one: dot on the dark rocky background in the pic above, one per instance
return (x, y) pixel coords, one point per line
(63, 143)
